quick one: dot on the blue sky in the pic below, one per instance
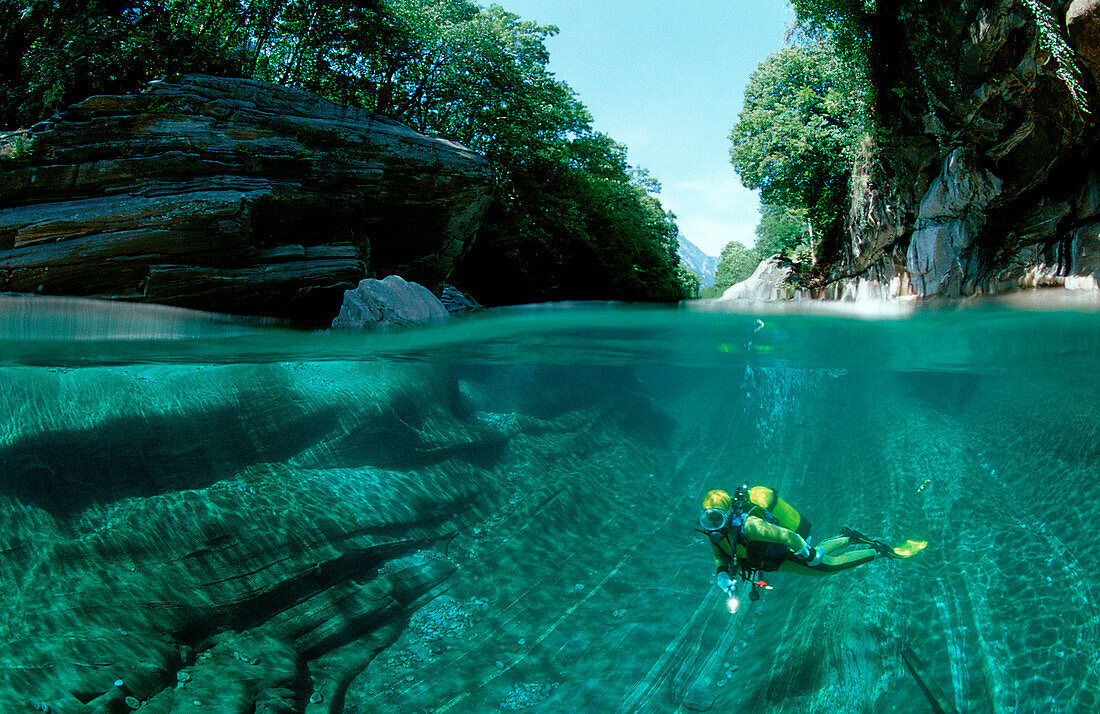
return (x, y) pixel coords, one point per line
(666, 79)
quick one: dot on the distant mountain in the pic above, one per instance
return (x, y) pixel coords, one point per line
(698, 262)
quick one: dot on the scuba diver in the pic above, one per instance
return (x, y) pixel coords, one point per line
(756, 531)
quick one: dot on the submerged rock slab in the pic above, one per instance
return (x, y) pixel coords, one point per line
(249, 537)
(230, 195)
(148, 545)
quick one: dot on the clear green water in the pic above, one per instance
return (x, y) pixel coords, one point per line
(530, 481)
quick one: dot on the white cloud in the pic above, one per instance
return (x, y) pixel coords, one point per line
(712, 235)
(713, 210)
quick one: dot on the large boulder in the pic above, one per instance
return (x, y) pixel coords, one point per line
(1083, 24)
(390, 302)
(230, 195)
(772, 280)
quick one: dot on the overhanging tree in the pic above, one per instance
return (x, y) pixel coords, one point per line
(805, 110)
(571, 218)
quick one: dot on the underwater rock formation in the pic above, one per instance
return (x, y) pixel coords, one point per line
(230, 195)
(246, 538)
(210, 561)
(503, 519)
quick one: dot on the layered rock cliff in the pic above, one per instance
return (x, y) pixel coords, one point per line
(990, 185)
(230, 195)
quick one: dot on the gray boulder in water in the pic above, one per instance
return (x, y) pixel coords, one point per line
(389, 302)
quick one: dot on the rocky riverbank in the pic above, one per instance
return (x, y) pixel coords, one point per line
(230, 195)
(984, 180)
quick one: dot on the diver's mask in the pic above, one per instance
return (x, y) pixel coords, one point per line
(715, 521)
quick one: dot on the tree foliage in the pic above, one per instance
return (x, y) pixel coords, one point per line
(783, 231)
(735, 264)
(805, 110)
(562, 231)
(55, 52)
(571, 218)
(848, 24)
(689, 281)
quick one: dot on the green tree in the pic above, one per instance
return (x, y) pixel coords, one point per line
(783, 231)
(735, 264)
(570, 219)
(805, 110)
(849, 24)
(689, 282)
(561, 230)
(55, 52)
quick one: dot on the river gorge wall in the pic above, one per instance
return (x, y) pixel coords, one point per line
(231, 195)
(990, 184)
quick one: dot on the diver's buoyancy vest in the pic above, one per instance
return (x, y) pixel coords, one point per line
(758, 555)
(784, 514)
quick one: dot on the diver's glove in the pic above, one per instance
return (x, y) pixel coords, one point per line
(724, 582)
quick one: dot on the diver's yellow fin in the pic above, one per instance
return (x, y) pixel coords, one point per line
(910, 548)
(906, 550)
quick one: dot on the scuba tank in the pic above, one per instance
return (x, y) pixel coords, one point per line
(764, 503)
(783, 513)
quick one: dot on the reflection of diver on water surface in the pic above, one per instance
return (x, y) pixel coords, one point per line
(756, 531)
